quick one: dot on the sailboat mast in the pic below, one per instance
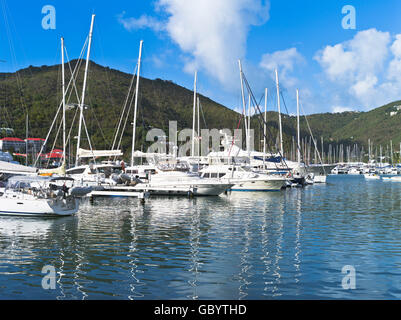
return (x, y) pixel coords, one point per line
(63, 85)
(136, 103)
(243, 101)
(81, 107)
(248, 142)
(264, 130)
(199, 129)
(279, 115)
(193, 117)
(298, 132)
(26, 142)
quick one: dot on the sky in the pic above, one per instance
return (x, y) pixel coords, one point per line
(339, 60)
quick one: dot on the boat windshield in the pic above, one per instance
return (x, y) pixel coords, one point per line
(26, 182)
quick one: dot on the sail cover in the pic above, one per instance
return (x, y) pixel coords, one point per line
(82, 153)
(12, 168)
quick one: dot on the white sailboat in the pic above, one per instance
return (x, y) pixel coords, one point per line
(39, 196)
(84, 172)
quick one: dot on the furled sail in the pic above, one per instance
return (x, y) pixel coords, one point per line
(49, 172)
(82, 153)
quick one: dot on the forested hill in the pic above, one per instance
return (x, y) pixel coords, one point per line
(37, 91)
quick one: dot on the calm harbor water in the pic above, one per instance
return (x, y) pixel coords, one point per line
(285, 245)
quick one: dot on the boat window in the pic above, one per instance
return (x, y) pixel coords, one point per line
(76, 171)
(221, 175)
(213, 175)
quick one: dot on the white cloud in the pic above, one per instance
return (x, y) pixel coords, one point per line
(396, 47)
(284, 61)
(394, 69)
(356, 59)
(211, 33)
(366, 68)
(142, 22)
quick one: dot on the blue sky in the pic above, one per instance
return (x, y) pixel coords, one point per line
(336, 69)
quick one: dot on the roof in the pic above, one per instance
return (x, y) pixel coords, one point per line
(53, 155)
(12, 139)
(35, 139)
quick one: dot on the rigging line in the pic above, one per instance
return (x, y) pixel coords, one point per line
(97, 31)
(77, 67)
(142, 111)
(69, 133)
(259, 119)
(54, 143)
(11, 23)
(203, 115)
(90, 144)
(13, 56)
(298, 147)
(54, 120)
(126, 120)
(314, 142)
(238, 125)
(98, 123)
(124, 108)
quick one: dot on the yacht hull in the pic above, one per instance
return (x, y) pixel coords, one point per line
(38, 207)
(196, 189)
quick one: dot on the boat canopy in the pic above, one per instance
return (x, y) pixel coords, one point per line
(22, 182)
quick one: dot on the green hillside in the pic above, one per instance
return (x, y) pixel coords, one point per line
(37, 91)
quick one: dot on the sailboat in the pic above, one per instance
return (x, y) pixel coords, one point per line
(45, 194)
(166, 174)
(85, 172)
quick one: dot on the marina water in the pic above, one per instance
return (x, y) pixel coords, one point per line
(280, 245)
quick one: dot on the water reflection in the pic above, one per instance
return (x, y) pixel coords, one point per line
(133, 260)
(289, 244)
(194, 241)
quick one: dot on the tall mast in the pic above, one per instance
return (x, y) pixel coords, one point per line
(298, 132)
(81, 107)
(248, 142)
(193, 117)
(322, 149)
(63, 85)
(198, 129)
(243, 100)
(279, 115)
(136, 103)
(264, 130)
(26, 142)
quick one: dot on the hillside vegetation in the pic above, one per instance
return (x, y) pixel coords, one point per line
(36, 91)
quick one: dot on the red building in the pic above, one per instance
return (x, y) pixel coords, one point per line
(15, 144)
